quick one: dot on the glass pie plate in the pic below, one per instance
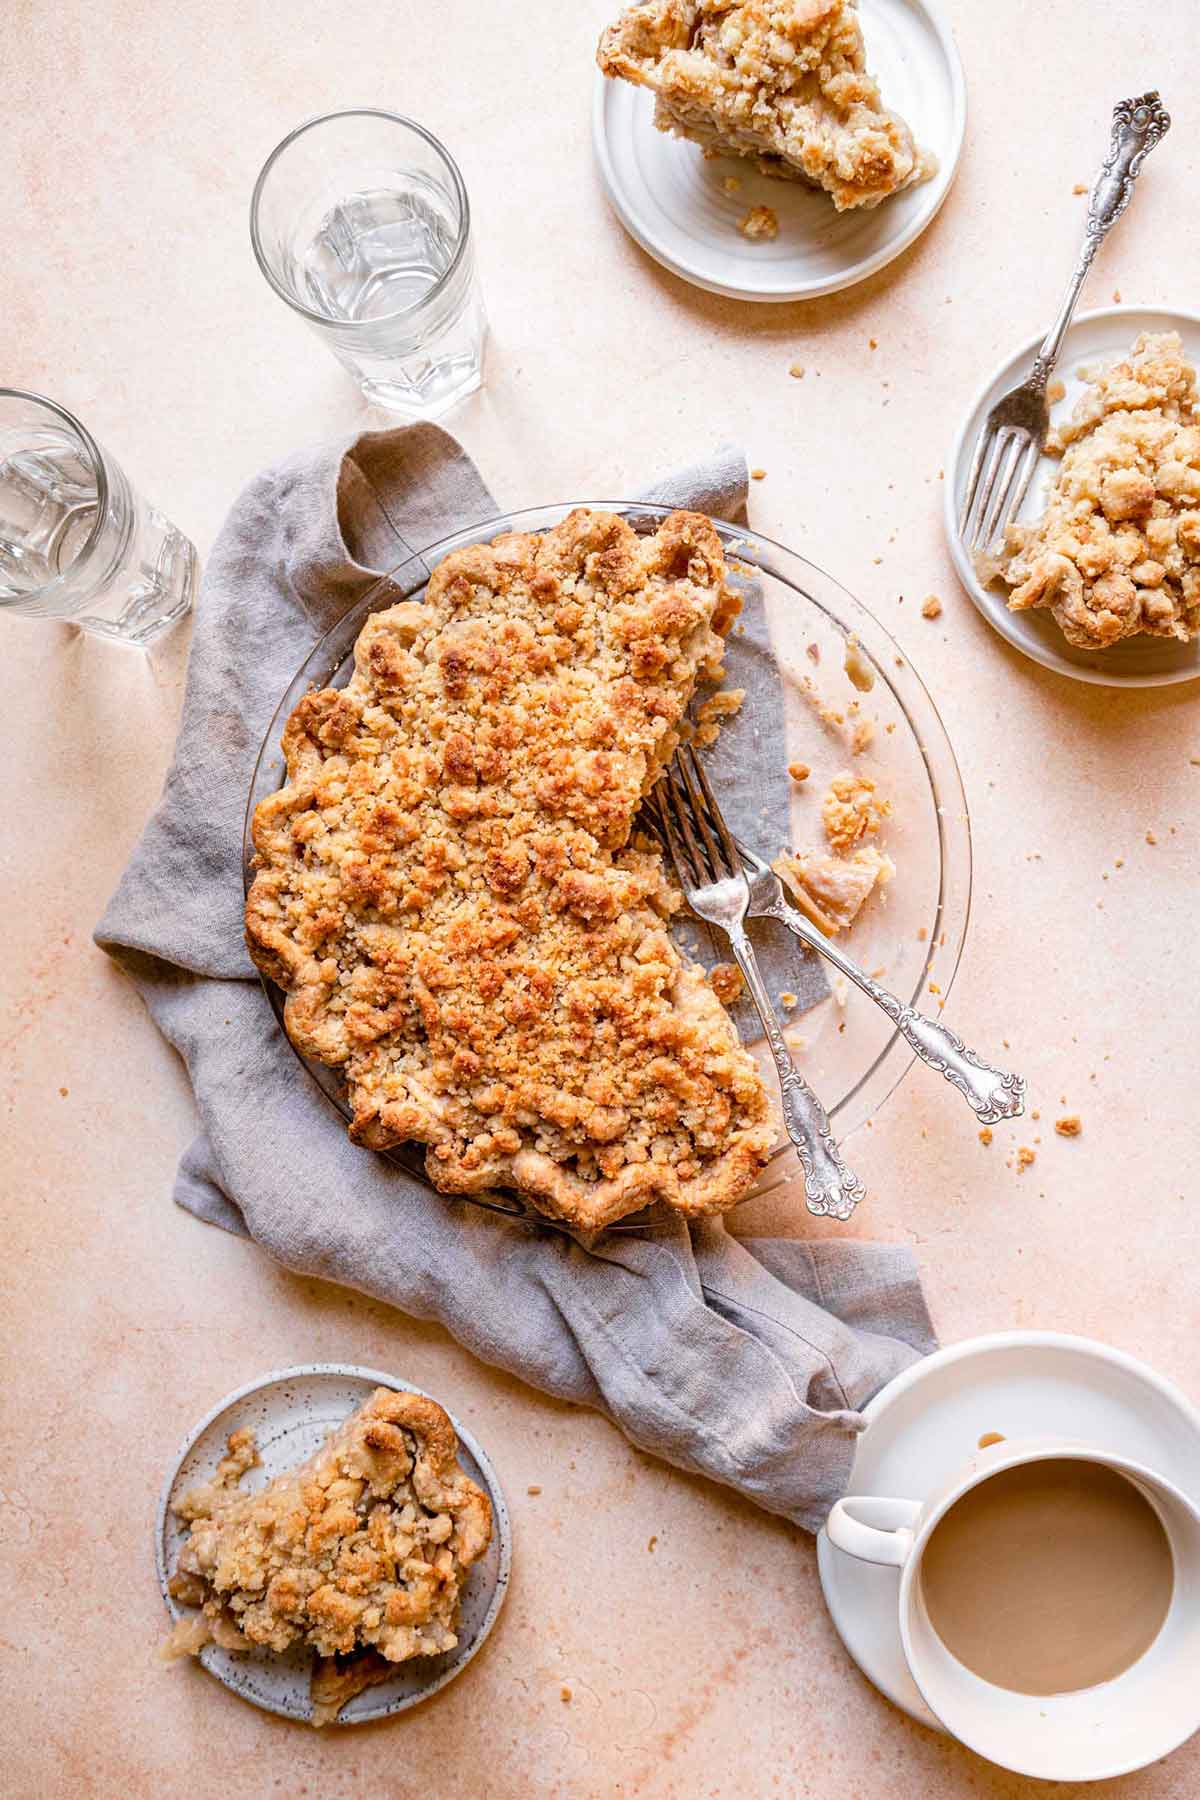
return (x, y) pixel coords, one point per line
(910, 935)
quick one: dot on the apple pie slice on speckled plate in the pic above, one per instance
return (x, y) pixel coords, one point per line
(360, 1552)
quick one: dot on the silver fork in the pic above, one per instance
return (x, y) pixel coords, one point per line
(993, 1094)
(1015, 430)
(712, 877)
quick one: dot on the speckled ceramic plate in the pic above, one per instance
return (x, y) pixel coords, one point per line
(672, 199)
(291, 1412)
(1096, 337)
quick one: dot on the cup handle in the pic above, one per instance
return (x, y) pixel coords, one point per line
(882, 1531)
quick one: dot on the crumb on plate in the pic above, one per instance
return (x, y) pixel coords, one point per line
(760, 224)
(931, 607)
(985, 1136)
(859, 672)
(1070, 1126)
(799, 771)
(1025, 1156)
(796, 371)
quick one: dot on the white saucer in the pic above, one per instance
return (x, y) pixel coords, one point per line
(1137, 662)
(291, 1412)
(673, 202)
(929, 1420)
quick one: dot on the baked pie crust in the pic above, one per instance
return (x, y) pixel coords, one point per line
(783, 82)
(360, 1552)
(447, 888)
(1117, 549)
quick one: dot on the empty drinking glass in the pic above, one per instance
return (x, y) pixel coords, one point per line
(360, 220)
(76, 541)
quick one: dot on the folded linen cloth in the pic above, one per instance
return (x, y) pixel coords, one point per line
(744, 1361)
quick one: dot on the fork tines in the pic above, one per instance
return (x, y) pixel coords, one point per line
(697, 836)
(1005, 459)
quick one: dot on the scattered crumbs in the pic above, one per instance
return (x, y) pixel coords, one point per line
(788, 1000)
(64, 1092)
(758, 474)
(878, 559)
(1035, 1114)
(1117, 295)
(931, 607)
(564, 1694)
(1150, 838)
(732, 184)
(1056, 391)
(813, 652)
(721, 705)
(934, 988)
(796, 371)
(1080, 187)
(922, 934)
(653, 1541)
(862, 737)
(1025, 1156)
(533, 1490)
(1120, 863)
(988, 1439)
(840, 988)
(890, 727)
(1070, 1126)
(760, 224)
(985, 1136)
(872, 343)
(798, 771)
(859, 672)
(795, 1041)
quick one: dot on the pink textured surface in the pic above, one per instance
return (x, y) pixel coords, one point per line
(706, 1665)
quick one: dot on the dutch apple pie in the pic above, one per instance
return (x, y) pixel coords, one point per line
(783, 82)
(359, 1553)
(450, 892)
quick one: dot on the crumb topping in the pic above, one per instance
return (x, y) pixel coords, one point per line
(447, 891)
(851, 811)
(1117, 550)
(782, 82)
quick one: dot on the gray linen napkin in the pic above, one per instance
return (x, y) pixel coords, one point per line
(743, 1361)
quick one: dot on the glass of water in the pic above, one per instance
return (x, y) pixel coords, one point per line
(360, 221)
(76, 541)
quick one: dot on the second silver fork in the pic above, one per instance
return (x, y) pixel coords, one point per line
(714, 882)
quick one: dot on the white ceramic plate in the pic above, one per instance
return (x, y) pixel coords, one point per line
(672, 200)
(291, 1412)
(928, 1421)
(1137, 662)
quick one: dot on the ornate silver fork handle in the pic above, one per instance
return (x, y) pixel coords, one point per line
(1137, 126)
(993, 1094)
(830, 1188)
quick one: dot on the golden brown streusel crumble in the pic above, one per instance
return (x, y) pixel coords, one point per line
(852, 811)
(359, 1553)
(1117, 550)
(783, 82)
(761, 222)
(447, 890)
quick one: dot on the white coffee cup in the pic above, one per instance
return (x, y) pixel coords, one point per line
(1121, 1725)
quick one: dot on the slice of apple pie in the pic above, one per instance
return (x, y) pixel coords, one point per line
(360, 1552)
(1117, 550)
(448, 891)
(783, 82)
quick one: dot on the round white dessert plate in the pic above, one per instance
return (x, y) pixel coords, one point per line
(673, 200)
(1095, 337)
(291, 1413)
(929, 1421)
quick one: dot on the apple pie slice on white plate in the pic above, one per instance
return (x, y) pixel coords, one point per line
(775, 149)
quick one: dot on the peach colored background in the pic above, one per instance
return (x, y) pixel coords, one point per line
(130, 139)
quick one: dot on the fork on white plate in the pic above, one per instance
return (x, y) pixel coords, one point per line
(1014, 431)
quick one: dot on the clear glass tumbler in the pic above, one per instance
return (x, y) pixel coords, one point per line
(361, 222)
(76, 541)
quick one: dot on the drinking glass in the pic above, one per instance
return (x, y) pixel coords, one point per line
(361, 222)
(76, 541)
